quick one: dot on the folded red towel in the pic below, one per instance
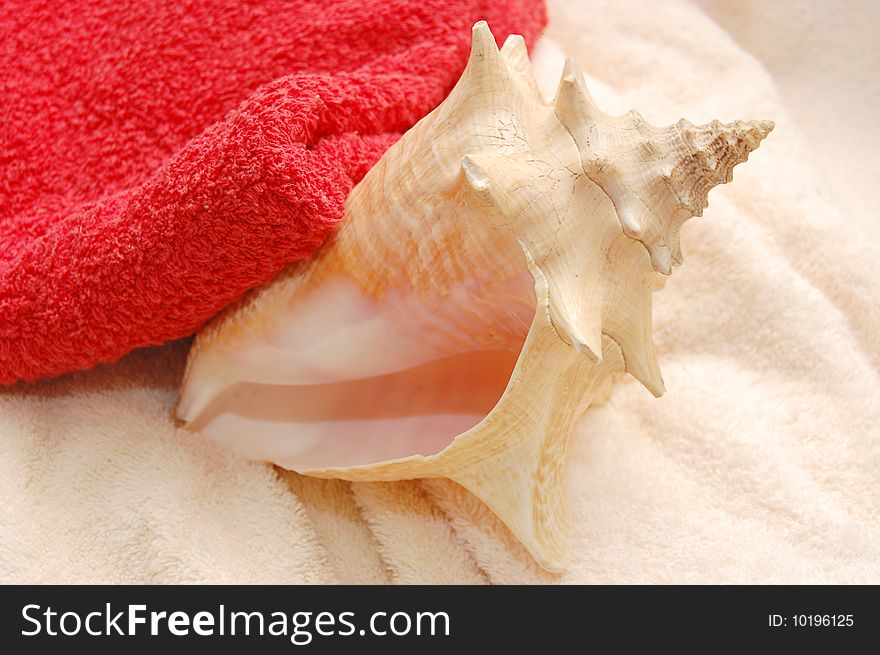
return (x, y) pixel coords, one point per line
(159, 160)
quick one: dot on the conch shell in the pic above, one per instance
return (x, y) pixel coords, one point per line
(492, 274)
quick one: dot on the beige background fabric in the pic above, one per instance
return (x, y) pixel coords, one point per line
(760, 464)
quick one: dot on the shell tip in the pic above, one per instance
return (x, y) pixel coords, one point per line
(755, 132)
(475, 174)
(482, 38)
(514, 43)
(571, 69)
(763, 127)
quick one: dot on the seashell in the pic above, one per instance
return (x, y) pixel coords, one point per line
(492, 276)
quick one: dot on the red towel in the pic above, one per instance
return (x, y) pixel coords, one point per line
(159, 160)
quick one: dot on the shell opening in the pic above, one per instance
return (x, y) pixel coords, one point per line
(410, 403)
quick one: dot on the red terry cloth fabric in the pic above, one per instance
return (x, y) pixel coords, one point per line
(158, 160)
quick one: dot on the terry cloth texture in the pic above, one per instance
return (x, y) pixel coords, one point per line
(760, 464)
(158, 159)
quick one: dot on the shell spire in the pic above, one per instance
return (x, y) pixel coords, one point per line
(657, 177)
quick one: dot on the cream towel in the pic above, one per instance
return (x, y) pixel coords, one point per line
(760, 464)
